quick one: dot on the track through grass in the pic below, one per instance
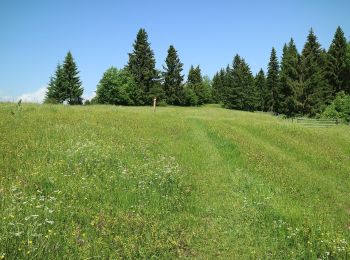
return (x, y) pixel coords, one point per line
(124, 182)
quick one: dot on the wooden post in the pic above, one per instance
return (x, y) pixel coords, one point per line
(154, 104)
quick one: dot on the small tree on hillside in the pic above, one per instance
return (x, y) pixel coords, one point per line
(272, 83)
(116, 87)
(260, 85)
(173, 77)
(72, 83)
(56, 92)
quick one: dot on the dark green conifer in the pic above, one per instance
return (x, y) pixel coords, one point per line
(72, 83)
(272, 83)
(141, 66)
(260, 85)
(173, 77)
(314, 85)
(289, 80)
(336, 70)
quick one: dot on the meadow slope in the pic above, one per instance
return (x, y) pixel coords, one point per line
(124, 182)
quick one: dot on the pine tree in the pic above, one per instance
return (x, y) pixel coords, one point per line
(314, 85)
(234, 88)
(56, 92)
(272, 83)
(250, 93)
(260, 85)
(225, 75)
(141, 65)
(173, 77)
(289, 80)
(217, 87)
(72, 83)
(347, 75)
(195, 82)
(336, 71)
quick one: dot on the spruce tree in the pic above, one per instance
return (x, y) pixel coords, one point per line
(347, 75)
(173, 77)
(72, 83)
(336, 71)
(217, 87)
(272, 83)
(250, 93)
(141, 65)
(314, 85)
(56, 92)
(289, 80)
(195, 82)
(234, 88)
(226, 79)
(260, 85)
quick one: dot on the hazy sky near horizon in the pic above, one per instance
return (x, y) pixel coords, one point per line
(36, 35)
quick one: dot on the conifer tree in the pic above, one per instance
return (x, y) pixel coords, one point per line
(225, 75)
(56, 92)
(336, 71)
(141, 65)
(260, 85)
(314, 85)
(72, 83)
(272, 83)
(217, 87)
(250, 93)
(289, 80)
(347, 75)
(234, 89)
(195, 82)
(173, 77)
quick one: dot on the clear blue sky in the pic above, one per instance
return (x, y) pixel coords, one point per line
(36, 34)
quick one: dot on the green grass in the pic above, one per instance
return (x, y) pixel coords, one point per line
(124, 182)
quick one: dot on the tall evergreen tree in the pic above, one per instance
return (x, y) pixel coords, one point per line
(173, 77)
(141, 65)
(56, 92)
(260, 85)
(314, 85)
(250, 93)
(347, 75)
(195, 82)
(241, 92)
(217, 88)
(72, 83)
(272, 83)
(289, 80)
(336, 70)
(234, 89)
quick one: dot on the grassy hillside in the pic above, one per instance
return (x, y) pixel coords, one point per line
(120, 182)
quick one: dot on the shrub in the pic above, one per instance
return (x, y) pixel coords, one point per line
(339, 108)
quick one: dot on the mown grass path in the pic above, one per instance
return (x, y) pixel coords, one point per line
(119, 182)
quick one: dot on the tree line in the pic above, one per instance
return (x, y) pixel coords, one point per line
(300, 84)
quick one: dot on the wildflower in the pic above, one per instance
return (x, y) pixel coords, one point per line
(49, 221)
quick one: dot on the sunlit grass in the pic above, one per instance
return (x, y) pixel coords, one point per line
(124, 182)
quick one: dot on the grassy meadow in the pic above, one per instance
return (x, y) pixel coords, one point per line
(123, 182)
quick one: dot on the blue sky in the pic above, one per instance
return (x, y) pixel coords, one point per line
(36, 34)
